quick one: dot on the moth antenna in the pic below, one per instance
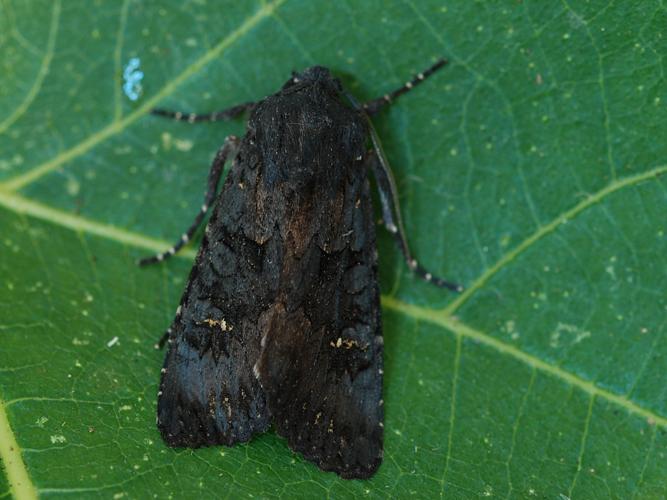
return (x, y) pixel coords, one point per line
(229, 148)
(223, 114)
(373, 106)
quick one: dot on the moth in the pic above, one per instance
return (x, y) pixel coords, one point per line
(280, 320)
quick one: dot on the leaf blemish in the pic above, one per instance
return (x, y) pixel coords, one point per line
(132, 77)
(564, 328)
(58, 439)
(73, 186)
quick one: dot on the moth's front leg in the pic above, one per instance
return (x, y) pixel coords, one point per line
(228, 150)
(391, 215)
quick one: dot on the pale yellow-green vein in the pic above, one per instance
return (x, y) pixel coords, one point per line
(452, 411)
(19, 204)
(549, 228)
(41, 73)
(456, 327)
(20, 484)
(582, 444)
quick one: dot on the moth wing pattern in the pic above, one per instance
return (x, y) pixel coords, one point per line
(281, 327)
(322, 374)
(321, 359)
(280, 320)
(208, 393)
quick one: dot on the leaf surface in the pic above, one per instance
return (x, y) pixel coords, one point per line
(530, 170)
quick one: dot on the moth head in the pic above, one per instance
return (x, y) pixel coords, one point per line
(315, 75)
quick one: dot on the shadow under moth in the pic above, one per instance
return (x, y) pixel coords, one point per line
(280, 321)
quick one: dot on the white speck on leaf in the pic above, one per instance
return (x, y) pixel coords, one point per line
(576, 21)
(167, 141)
(564, 328)
(132, 77)
(183, 144)
(610, 271)
(73, 187)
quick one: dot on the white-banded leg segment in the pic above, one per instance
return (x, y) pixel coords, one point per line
(228, 149)
(163, 340)
(391, 214)
(375, 105)
(166, 336)
(223, 114)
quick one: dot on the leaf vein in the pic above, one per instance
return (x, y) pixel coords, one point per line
(41, 73)
(515, 430)
(546, 229)
(21, 205)
(457, 328)
(582, 448)
(17, 475)
(452, 411)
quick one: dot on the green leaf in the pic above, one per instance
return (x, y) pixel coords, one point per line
(529, 170)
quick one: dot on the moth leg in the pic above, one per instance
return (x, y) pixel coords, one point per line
(229, 148)
(375, 105)
(391, 215)
(223, 114)
(163, 339)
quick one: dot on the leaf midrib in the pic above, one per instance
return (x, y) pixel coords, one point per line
(10, 453)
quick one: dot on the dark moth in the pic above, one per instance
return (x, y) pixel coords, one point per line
(280, 319)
